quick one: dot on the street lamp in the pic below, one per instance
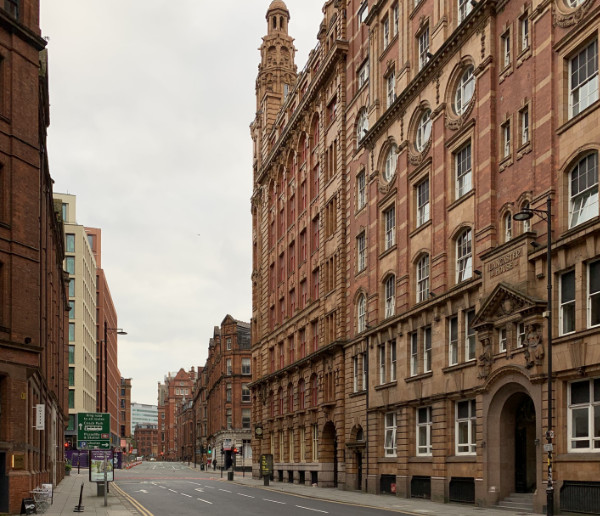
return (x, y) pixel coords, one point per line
(526, 214)
(118, 331)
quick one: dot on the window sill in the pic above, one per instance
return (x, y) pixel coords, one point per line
(420, 228)
(357, 394)
(524, 149)
(505, 162)
(386, 385)
(457, 367)
(462, 458)
(421, 376)
(388, 251)
(461, 199)
(578, 117)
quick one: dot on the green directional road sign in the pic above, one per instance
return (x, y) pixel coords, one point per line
(93, 431)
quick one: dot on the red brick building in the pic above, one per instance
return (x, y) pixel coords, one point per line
(456, 117)
(146, 440)
(222, 404)
(33, 310)
(125, 414)
(176, 389)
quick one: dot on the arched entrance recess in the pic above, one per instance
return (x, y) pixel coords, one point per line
(328, 453)
(354, 466)
(512, 442)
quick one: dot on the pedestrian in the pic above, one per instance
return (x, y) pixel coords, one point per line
(214, 464)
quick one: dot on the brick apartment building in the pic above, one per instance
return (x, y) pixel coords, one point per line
(125, 427)
(423, 128)
(33, 312)
(221, 402)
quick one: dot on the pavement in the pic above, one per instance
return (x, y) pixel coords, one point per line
(66, 498)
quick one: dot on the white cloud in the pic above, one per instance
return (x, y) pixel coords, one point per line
(150, 106)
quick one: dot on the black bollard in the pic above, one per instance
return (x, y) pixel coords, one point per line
(79, 507)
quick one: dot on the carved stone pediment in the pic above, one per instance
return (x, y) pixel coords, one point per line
(504, 301)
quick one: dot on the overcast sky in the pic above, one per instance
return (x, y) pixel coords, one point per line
(151, 102)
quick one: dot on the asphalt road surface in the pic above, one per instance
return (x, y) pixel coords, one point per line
(173, 488)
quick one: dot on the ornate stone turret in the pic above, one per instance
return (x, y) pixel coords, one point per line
(277, 71)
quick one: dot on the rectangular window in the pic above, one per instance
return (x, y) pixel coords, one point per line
(453, 340)
(71, 354)
(584, 416)
(520, 335)
(228, 367)
(389, 217)
(422, 202)
(464, 8)
(365, 365)
(392, 346)
(72, 309)
(390, 434)
(246, 366)
(414, 353)
(363, 11)
(246, 418)
(363, 75)
(524, 121)
(245, 393)
(469, 335)
(567, 303)
(303, 246)
(391, 89)
(462, 163)
(502, 339)
(381, 364)
(71, 332)
(505, 46)
(228, 343)
(396, 17)
(427, 362)
(71, 377)
(302, 431)
(506, 139)
(228, 393)
(361, 252)
(424, 425)
(70, 264)
(593, 304)
(72, 287)
(291, 444)
(423, 48)
(70, 243)
(355, 374)
(423, 279)
(361, 191)
(524, 31)
(583, 79)
(315, 443)
(465, 427)
(386, 32)
(71, 398)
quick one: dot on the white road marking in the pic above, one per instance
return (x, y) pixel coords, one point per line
(247, 496)
(173, 491)
(183, 494)
(205, 501)
(209, 487)
(196, 484)
(225, 490)
(274, 501)
(162, 487)
(141, 491)
(309, 509)
(199, 490)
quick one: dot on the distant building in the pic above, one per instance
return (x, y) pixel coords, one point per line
(125, 427)
(146, 439)
(142, 414)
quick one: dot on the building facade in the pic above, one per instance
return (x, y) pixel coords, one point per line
(221, 402)
(457, 116)
(80, 265)
(176, 389)
(33, 307)
(142, 413)
(108, 377)
(125, 427)
(146, 440)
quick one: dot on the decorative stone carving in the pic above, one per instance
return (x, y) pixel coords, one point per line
(566, 20)
(534, 350)
(486, 359)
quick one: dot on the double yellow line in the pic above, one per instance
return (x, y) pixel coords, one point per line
(133, 501)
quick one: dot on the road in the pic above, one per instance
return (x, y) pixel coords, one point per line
(167, 488)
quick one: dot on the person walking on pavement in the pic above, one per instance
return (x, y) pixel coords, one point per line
(214, 464)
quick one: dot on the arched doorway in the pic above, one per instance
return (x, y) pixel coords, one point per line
(511, 438)
(329, 456)
(354, 467)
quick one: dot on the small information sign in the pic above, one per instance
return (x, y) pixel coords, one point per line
(97, 463)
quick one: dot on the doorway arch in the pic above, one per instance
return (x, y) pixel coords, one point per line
(329, 456)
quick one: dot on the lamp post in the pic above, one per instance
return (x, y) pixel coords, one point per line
(526, 214)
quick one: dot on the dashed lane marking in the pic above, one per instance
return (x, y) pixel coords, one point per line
(274, 501)
(247, 496)
(309, 509)
(205, 501)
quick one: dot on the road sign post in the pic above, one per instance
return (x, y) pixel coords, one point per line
(93, 431)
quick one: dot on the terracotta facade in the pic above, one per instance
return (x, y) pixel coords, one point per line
(430, 356)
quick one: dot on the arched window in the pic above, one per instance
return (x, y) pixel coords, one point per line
(583, 190)
(464, 90)
(361, 313)
(390, 295)
(423, 278)
(390, 164)
(508, 231)
(423, 130)
(464, 256)
(301, 394)
(527, 222)
(362, 125)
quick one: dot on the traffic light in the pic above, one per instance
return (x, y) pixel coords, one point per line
(235, 451)
(209, 450)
